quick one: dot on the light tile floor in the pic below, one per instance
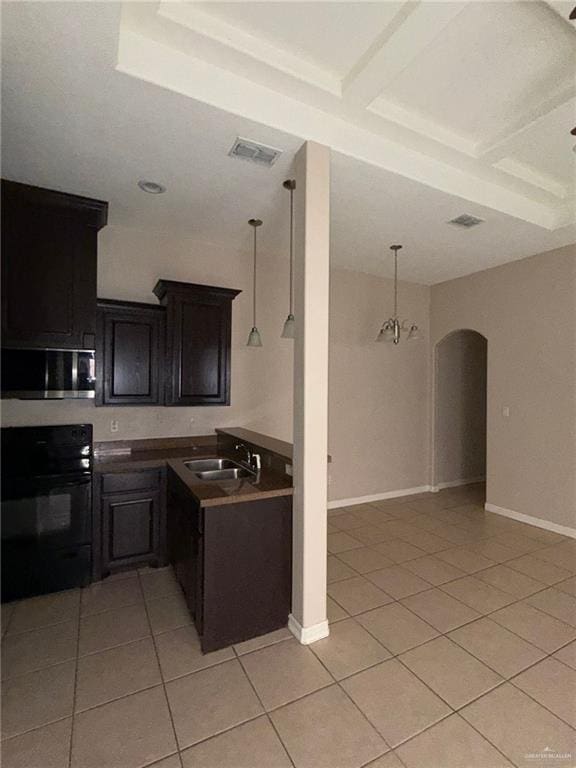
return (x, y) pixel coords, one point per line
(453, 645)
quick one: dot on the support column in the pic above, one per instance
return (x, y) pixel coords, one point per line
(308, 620)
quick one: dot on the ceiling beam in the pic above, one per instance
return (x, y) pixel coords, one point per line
(497, 146)
(411, 30)
(564, 9)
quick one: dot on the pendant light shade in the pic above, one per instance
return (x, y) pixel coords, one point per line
(288, 330)
(289, 325)
(392, 328)
(254, 338)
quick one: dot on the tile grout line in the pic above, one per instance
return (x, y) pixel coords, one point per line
(547, 655)
(163, 683)
(355, 705)
(444, 634)
(76, 663)
(266, 712)
(504, 680)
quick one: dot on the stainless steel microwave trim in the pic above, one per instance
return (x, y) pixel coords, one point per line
(63, 394)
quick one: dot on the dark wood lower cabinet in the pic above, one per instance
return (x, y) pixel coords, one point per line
(234, 564)
(132, 519)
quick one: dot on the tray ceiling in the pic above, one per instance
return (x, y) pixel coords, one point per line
(472, 98)
(97, 96)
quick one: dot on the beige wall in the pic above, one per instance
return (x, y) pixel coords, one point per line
(527, 311)
(129, 264)
(460, 408)
(379, 399)
(378, 392)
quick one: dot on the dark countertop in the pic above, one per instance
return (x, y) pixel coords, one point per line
(151, 454)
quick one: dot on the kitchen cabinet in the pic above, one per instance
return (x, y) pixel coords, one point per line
(131, 520)
(49, 251)
(198, 341)
(184, 545)
(233, 562)
(129, 353)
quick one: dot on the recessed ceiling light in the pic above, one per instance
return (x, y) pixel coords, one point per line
(152, 187)
(466, 221)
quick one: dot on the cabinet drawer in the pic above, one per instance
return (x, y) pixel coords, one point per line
(119, 482)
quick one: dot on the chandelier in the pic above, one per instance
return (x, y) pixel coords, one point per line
(393, 327)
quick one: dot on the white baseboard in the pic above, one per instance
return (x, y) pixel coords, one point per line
(563, 530)
(377, 497)
(307, 635)
(457, 483)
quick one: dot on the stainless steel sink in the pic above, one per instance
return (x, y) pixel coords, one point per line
(218, 469)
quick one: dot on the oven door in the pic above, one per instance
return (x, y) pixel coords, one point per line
(48, 512)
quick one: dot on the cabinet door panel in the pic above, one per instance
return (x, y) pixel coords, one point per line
(131, 367)
(198, 340)
(203, 350)
(129, 353)
(130, 529)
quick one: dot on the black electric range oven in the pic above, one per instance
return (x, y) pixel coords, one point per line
(46, 509)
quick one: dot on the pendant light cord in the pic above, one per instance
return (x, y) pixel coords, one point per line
(254, 286)
(291, 250)
(395, 284)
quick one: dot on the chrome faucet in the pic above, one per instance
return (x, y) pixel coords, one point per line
(253, 459)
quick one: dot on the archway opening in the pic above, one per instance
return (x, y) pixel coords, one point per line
(460, 391)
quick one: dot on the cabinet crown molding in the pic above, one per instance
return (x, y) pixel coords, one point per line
(94, 213)
(165, 287)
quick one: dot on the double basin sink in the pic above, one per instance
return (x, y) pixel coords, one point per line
(218, 469)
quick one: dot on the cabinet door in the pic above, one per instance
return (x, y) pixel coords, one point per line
(48, 269)
(201, 355)
(129, 353)
(130, 529)
(198, 338)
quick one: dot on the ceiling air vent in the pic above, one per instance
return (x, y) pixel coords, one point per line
(256, 153)
(466, 221)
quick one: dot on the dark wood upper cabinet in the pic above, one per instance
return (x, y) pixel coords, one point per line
(129, 353)
(49, 249)
(198, 339)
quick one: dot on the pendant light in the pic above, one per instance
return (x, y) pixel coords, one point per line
(254, 339)
(392, 328)
(288, 330)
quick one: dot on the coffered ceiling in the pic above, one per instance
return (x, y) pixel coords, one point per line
(429, 116)
(472, 98)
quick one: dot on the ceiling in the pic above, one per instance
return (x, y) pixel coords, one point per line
(431, 109)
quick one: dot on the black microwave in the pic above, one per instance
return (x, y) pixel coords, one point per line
(48, 374)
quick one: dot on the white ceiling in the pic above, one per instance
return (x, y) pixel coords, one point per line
(95, 99)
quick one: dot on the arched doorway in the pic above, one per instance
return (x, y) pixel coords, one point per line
(460, 409)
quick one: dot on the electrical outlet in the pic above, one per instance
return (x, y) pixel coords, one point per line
(505, 411)
(114, 425)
